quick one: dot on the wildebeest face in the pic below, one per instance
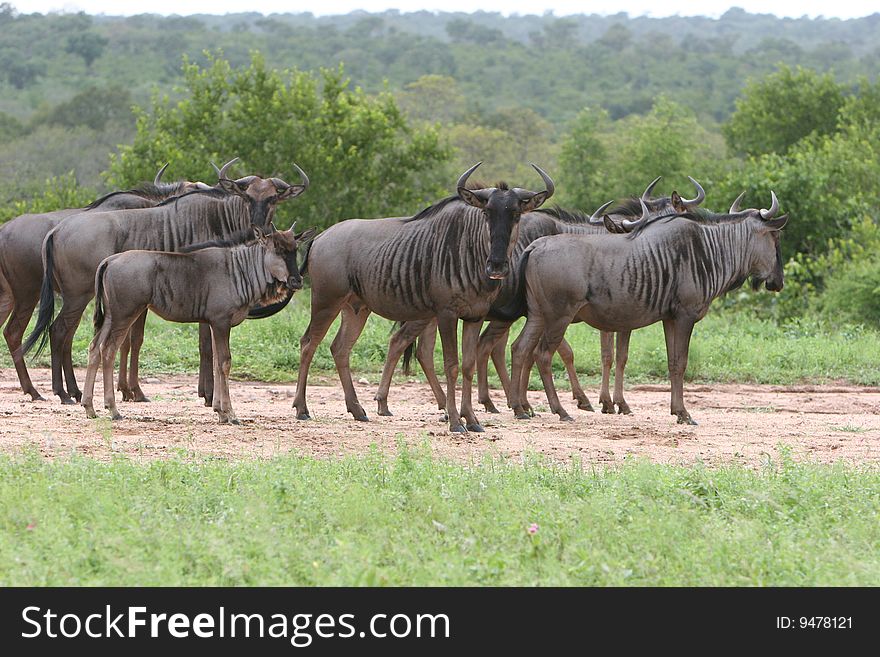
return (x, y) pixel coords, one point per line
(281, 254)
(502, 208)
(261, 194)
(767, 266)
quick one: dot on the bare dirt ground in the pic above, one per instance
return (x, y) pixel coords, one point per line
(738, 424)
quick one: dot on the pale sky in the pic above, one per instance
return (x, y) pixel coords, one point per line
(656, 8)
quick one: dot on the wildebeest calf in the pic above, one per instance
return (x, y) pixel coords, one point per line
(215, 285)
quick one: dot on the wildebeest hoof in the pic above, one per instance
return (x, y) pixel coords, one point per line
(566, 418)
(523, 416)
(458, 429)
(235, 421)
(585, 405)
(607, 407)
(78, 396)
(623, 409)
(90, 413)
(115, 415)
(477, 428)
(67, 401)
(489, 406)
(385, 413)
(35, 396)
(209, 401)
(685, 418)
(303, 416)
(140, 398)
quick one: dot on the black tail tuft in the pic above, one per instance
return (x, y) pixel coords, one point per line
(98, 319)
(47, 300)
(407, 356)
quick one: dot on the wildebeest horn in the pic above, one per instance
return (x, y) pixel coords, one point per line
(774, 206)
(158, 177)
(548, 181)
(221, 172)
(646, 195)
(467, 174)
(701, 195)
(734, 207)
(596, 218)
(630, 225)
(302, 176)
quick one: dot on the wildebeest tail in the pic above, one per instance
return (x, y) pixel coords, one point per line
(47, 299)
(98, 319)
(407, 356)
(516, 307)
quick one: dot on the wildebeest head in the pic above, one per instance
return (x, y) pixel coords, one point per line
(767, 256)
(502, 208)
(648, 206)
(261, 194)
(186, 186)
(280, 248)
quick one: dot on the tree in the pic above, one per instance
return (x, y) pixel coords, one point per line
(582, 159)
(363, 158)
(775, 113)
(88, 45)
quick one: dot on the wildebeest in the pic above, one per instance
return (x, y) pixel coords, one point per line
(72, 251)
(214, 285)
(668, 269)
(447, 262)
(21, 269)
(493, 341)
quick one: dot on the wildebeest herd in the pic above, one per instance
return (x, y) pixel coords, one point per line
(193, 252)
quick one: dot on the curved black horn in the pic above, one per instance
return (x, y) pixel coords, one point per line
(700, 197)
(548, 181)
(646, 195)
(734, 207)
(774, 207)
(221, 172)
(302, 176)
(467, 174)
(629, 225)
(596, 218)
(158, 177)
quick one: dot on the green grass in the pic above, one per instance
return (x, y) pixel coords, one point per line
(414, 519)
(726, 347)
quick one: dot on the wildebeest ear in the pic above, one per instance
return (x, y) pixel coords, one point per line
(775, 224)
(469, 197)
(533, 203)
(258, 233)
(610, 226)
(677, 204)
(307, 234)
(231, 186)
(291, 191)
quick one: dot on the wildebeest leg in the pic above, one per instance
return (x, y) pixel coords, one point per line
(13, 332)
(95, 360)
(520, 362)
(678, 337)
(425, 356)
(322, 318)
(136, 338)
(61, 334)
(619, 365)
(493, 342)
(122, 385)
(566, 353)
(606, 339)
(353, 321)
(222, 358)
(554, 334)
(206, 364)
(115, 336)
(470, 334)
(447, 324)
(397, 345)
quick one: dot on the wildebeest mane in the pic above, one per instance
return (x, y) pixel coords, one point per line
(150, 191)
(213, 192)
(236, 239)
(699, 216)
(436, 208)
(567, 216)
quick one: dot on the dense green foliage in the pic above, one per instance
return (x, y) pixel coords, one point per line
(416, 520)
(358, 149)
